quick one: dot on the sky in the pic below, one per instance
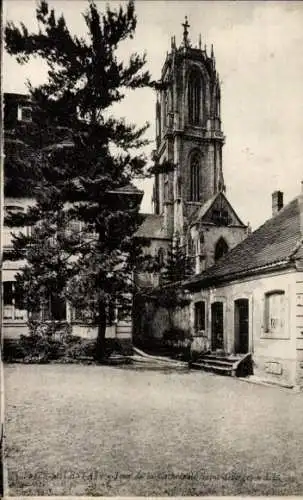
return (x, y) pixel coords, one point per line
(259, 56)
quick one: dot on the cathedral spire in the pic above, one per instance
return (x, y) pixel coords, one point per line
(185, 32)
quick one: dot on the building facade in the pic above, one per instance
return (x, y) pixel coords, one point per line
(251, 300)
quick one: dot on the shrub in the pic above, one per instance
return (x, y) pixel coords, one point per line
(176, 337)
(49, 342)
(178, 341)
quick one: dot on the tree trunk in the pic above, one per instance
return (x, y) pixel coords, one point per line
(170, 318)
(100, 352)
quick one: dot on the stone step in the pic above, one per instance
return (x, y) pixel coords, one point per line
(216, 361)
(221, 363)
(214, 357)
(203, 366)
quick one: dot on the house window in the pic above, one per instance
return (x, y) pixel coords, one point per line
(221, 248)
(9, 231)
(200, 316)
(81, 315)
(275, 314)
(24, 113)
(13, 307)
(52, 309)
(195, 178)
(194, 98)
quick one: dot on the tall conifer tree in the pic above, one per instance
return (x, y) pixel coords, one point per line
(88, 160)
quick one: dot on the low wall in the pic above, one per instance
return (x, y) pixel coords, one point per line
(122, 330)
(154, 321)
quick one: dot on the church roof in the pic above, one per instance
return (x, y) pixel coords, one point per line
(153, 227)
(277, 242)
(200, 215)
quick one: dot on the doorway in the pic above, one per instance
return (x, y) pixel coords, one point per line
(241, 326)
(217, 326)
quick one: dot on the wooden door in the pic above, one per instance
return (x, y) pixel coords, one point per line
(217, 326)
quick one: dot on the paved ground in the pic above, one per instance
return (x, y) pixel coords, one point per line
(89, 430)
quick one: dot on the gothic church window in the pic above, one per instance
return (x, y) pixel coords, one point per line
(190, 246)
(194, 98)
(161, 256)
(221, 248)
(166, 193)
(218, 110)
(220, 217)
(217, 103)
(179, 186)
(165, 108)
(195, 178)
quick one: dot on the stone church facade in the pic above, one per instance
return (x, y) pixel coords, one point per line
(189, 196)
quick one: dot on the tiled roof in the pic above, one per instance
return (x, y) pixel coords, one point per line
(152, 227)
(273, 243)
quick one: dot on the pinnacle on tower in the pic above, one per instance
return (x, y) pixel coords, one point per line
(185, 32)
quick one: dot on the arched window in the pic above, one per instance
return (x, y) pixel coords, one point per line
(218, 106)
(190, 246)
(195, 178)
(179, 186)
(165, 108)
(194, 98)
(221, 248)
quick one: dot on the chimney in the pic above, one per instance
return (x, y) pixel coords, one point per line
(277, 202)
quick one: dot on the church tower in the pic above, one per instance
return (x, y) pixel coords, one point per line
(188, 134)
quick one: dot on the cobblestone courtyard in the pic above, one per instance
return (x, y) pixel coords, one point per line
(90, 430)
